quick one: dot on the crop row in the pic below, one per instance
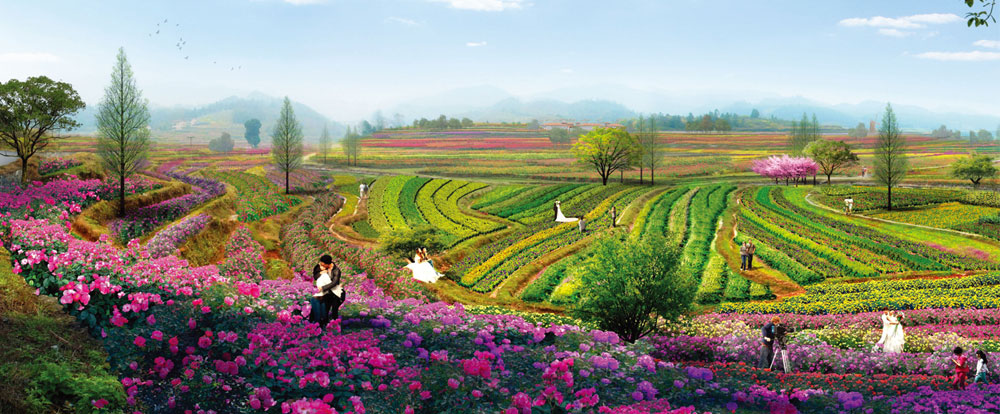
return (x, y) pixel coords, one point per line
(971, 292)
(706, 207)
(408, 201)
(498, 194)
(678, 225)
(545, 211)
(257, 197)
(824, 218)
(544, 200)
(652, 219)
(875, 198)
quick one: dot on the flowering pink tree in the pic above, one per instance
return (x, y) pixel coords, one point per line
(785, 167)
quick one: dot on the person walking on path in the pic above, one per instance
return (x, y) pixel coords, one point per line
(767, 343)
(743, 254)
(982, 368)
(961, 369)
(751, 249)
(614, 216)
(848, 205)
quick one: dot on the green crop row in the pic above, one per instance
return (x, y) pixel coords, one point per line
(499, 194)
(408, 201)
(543, 200)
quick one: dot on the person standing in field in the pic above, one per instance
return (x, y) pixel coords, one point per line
(982, 368)
(614, 216)
(751, 249)
(961, 369)
(743, 254)
(767, 343)
(848, 205)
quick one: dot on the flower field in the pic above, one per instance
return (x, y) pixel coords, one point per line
(258, 197)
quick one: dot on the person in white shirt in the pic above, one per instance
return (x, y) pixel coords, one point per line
(982, 368)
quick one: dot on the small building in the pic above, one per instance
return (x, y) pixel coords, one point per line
(586, 126)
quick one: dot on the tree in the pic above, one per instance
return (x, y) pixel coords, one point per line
(378, 121)
(858, 132)
(223, 143)
(351, 144)
(366, 128)
(785, 167)
(467, 123)
(286, 142)
(252, 133)
(974, 168)
(122, 126)
(890, 154)
(722, 125)
(754, 114)
(653, 155)
(31, 111)
(606, 149)
(984, 135)
(628, 286)
(831, 156)
(324, 143)
(559, 136)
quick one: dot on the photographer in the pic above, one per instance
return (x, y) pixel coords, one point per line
(780, 337)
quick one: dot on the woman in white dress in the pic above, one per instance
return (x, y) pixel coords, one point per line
(892, 339)
(422, 269)
(560, 217)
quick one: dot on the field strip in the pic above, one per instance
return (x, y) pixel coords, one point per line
(973, 235)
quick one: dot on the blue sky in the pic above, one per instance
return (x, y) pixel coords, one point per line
(347, 58)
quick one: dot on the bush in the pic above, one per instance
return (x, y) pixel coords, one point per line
(223, 143)
(627, 286)
(404, 243)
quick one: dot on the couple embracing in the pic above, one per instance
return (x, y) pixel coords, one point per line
(330, 295)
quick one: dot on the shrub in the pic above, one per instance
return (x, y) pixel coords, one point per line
(628, 286)
(404, 243)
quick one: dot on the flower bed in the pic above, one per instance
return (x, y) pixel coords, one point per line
(52, 165)
(258, 197)
(173, 236)
(138, 223)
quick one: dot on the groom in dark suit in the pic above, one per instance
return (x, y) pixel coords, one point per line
(767, 343)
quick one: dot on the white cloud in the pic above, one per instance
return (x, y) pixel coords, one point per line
(906, 22)
(476, 44)
(402, 21)
(566, 70)
(484, 5)
(973, 56)
(28, 57)
(991, 44)
(894, 32)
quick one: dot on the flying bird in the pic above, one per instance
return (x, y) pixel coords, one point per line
(157, 32)
(185, 57)
(164, 20)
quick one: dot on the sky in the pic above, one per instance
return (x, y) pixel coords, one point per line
(347, 58)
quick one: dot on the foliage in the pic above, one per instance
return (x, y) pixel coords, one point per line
(252, 132)
(402, 244)
(890, 154)
(974, 168)
(223, 143)
(324, 143)
(606, 150)
(803, 133)
(32, 111)
(627, 286)
(286, 142)
(257, 197)
(831, 155)
(785, 167)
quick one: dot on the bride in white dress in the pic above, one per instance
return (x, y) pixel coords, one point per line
(559, 214)
(893, 339)
(423, 270)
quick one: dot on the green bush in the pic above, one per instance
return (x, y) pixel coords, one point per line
(403, 244)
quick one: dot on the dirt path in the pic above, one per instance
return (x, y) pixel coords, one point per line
(360, 209)
(780, 284)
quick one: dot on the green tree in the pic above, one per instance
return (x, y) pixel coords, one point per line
(252, 133)
(974, 168)
(351, 144)
(652, 153)
(122, 126)
(628, 286)
(324, 143)
(559, 136)
(890, 154)
(606, 150)
(31, 111)
(286, 142)
(831, 156)
(754, 114)
(223, 143)
(467, 123)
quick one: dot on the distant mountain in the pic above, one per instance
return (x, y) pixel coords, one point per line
(226, 115)
(516, 110)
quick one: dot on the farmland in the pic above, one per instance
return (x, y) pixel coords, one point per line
(487, 195)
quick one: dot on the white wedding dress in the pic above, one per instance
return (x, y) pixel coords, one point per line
(892, 339)
(561, 218)
(424, 271)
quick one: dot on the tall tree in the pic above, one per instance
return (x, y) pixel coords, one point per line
(606, 150)
(252, 133)
(974, 168)
(324, 143)
(831, 156)
(31, 111)
(652, 152)
(890, 154)
(754, 114)
(122, 126)
(286, 142)
(641, 147)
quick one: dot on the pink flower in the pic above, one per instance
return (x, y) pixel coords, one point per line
(99, 403)
(204, 342)
(139, 341)
(151, 320)
(157, 335)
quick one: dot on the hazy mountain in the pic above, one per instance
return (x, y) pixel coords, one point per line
(450, 103)
(226, 115)
(516, 110)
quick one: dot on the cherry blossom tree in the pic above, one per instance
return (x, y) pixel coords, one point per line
(784, 167)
